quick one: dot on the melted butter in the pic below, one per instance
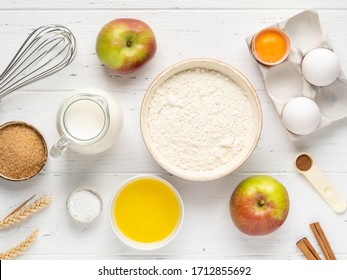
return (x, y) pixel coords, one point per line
(147, 210)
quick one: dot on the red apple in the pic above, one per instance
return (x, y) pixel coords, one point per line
(259, 205)
(125, 44)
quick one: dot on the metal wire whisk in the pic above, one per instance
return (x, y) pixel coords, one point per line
(47, 50)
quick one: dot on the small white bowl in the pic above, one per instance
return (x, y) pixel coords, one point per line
(141, 245)
(234, 75)
(81, 206)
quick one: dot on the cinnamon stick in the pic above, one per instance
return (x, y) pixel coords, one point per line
(322, 241)
(307, 249)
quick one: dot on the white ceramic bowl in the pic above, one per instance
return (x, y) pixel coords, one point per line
(238, 78)
(87, 217)
(141, 245)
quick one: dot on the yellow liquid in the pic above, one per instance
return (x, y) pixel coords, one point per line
(147, 210)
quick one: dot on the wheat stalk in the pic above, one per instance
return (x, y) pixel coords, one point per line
(26, 212)
(15, 251)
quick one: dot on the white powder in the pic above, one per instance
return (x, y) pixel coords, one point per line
(200, 119)
(84, 205)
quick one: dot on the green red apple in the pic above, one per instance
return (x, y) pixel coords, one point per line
(125, 44)
(259, 205)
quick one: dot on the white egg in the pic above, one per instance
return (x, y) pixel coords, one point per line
(320, 67)
(301, 115)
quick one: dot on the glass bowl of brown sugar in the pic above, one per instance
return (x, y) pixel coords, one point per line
(23, 151)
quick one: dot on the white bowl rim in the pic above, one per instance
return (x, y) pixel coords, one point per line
(88, 189)
(140, 245)
(195, 175)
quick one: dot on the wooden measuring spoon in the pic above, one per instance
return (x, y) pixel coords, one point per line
(306, 166)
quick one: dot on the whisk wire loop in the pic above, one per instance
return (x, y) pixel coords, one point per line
(46, 50)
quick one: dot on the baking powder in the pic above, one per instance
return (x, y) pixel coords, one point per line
(200, 119)
(84, 205)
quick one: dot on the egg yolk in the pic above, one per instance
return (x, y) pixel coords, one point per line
(270, 46)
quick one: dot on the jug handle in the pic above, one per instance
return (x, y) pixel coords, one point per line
(59, 146)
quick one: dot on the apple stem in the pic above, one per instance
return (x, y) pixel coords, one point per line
(261, 202)
(129, 43)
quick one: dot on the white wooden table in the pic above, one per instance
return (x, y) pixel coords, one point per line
(184, 29)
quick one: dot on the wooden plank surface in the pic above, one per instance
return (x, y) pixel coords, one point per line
(184, 29)
(173, 4)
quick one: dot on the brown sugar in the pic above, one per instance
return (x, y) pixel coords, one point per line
(303, 162)
(23, 151)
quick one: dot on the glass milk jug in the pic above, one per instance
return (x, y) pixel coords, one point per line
(89, 121)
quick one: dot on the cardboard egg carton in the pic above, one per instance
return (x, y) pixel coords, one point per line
(285, 81)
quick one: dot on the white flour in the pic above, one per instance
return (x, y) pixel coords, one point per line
(84, 206)
(200, 119)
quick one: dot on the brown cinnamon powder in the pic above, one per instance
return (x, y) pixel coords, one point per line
(303, 162)
(23, 151)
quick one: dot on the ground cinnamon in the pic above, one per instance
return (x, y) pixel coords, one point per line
(23, 151)
(303, 162)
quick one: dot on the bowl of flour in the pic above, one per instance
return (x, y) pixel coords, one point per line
(201, 119)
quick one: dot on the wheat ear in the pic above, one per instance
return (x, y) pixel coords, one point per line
(15, 251)
(26, 212)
